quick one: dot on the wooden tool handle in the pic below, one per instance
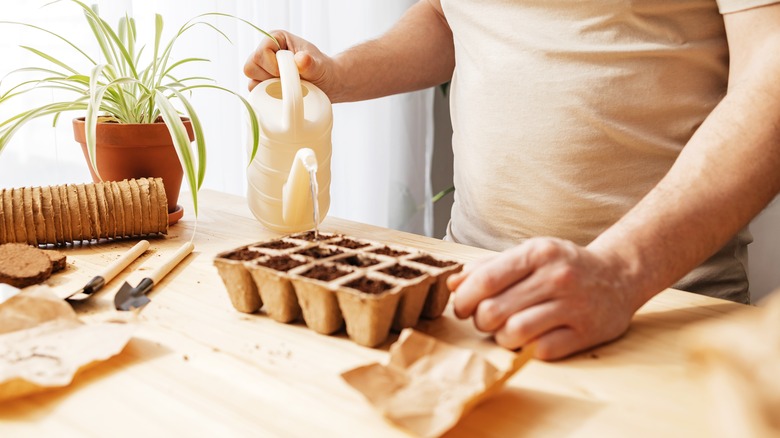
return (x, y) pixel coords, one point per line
(170, 263)
(121, 263)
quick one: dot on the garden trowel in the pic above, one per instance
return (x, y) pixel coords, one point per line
(130, 297)
(110, 271)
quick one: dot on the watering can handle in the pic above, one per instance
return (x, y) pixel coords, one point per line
(292, 96)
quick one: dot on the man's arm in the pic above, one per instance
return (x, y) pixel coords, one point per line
(726, 174)
(566, 298)
(416, 53)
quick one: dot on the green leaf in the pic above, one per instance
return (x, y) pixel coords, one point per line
(182, 142)
(184, 61)
(254, 125)
(119, 45)
(93, 21)
(50, 59)
(90, 121)
(200, 139)
(55, 35)
(221, 14)
(17, 121)
(442, 194)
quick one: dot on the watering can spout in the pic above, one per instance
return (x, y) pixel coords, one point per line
(297, 205)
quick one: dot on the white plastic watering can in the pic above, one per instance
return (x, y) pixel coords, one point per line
(295, 120)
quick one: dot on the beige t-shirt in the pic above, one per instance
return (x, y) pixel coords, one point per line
(566, 113)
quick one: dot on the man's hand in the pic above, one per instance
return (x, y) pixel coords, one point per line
(417, 53)
(313, 65)
(560, 296)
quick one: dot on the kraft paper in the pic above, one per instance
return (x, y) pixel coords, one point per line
(429, 385)
(44, 345)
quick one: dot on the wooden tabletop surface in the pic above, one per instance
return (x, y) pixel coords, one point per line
(197, 367)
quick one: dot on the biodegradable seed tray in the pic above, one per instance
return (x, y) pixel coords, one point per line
(76, 212)
(337, 280)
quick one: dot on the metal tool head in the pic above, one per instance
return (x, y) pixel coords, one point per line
(129, 297)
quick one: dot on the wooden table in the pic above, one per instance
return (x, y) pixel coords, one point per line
(197, 367)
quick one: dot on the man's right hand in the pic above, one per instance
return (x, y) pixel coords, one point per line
(313, 65)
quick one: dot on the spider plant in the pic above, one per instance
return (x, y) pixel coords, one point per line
(126, 87)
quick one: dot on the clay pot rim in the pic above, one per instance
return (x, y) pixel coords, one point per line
(111, 134)
(82, 120)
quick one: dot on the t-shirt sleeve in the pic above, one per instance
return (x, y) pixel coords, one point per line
(726, 6)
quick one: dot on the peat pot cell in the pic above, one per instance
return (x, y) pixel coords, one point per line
(357, 260)
(401, 271)
(350, 244)
(369, 285)
(309, 236)
(324, 273)
(430, 261)
(242, 254)
(390, 252)
(276, 244)
(281, 263)
(317, 252)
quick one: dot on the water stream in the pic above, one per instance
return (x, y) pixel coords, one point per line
(315, 201)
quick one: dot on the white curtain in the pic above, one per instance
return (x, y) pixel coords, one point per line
(382, 148)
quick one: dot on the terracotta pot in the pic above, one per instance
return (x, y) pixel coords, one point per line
(127, 151)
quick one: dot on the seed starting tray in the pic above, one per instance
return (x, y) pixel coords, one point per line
(369, 286)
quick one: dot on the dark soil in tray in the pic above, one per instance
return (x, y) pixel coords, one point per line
(324, 273)
(309, 236)
(369, 285)
(402, 271)
(319, 253)
(430, 261)
(243, 254)
(277, 244)
(386, 250)
(360, 261)
(281, 263)
(349, 243)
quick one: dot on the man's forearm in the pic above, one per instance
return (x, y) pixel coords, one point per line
(416, 53)
(725, 175)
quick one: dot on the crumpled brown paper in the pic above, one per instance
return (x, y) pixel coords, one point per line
(429, 385)
(44, 345)
(739, 361)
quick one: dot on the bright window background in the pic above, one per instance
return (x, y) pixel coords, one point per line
(381, 148)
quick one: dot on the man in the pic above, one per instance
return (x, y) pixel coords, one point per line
(608, 125)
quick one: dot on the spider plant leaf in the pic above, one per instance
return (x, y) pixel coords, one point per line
(32, 70)
(181, 83)
(214, 28)
(92, 21)
(132, 32)
(138, 55)
(56, 35)
(118, 44)
(182, 142)
(221, 14)
(17, 121)
(158, 28)
(254, 125)
(90, 121)
(183, 61)
(50, 59)
(200, 140)
(11, 91)
(84, 79)
(122, 28)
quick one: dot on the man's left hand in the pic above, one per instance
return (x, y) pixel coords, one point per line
(547, 291)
